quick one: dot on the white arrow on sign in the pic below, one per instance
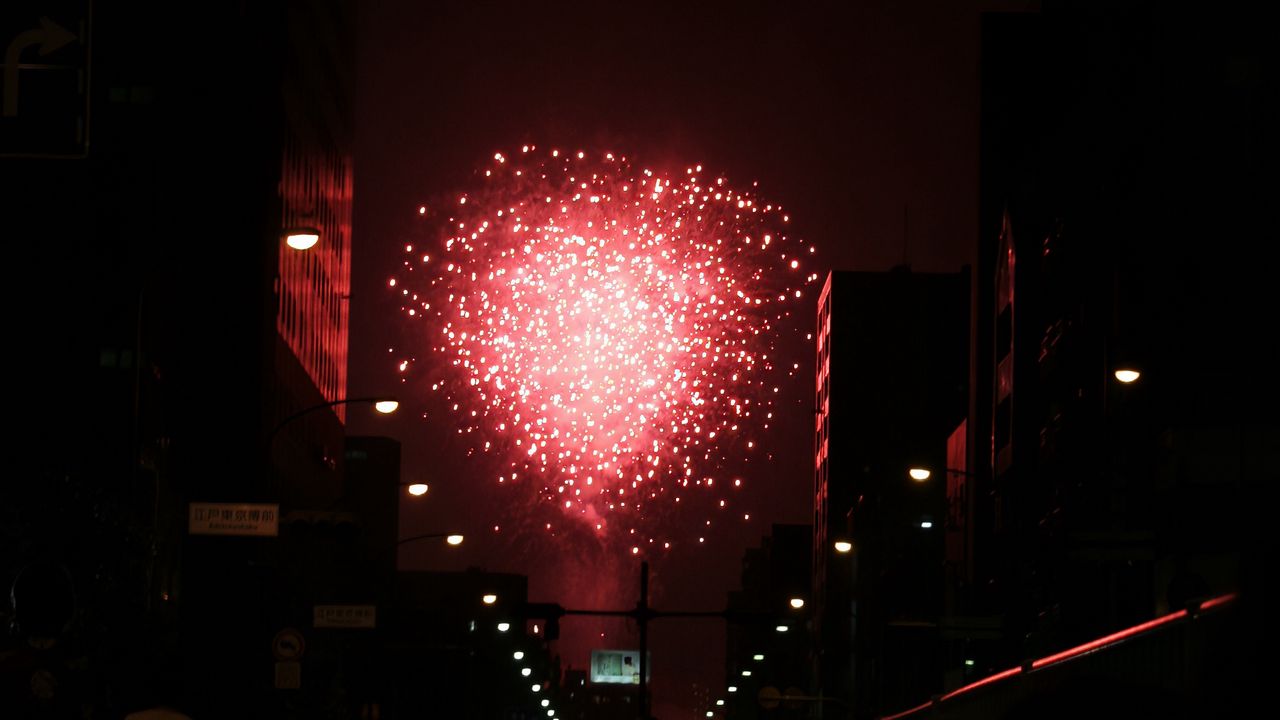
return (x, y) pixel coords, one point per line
(49, 36)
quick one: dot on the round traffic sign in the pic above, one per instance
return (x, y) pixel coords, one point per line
(768, 697)
(288, 645)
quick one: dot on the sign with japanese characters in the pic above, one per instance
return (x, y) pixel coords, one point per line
(345, 616)
(256, 519)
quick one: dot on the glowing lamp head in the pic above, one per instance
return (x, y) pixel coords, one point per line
(746, 673)
(1127, 375)
(518, 655)
(782, 628)
(733, 688)
(526, 672)
(303, 238)
(418, 489)
(386, 407)
(489, 599)
(536, 688)
(504, 626)
(926, 524)
(757, 657)
(454, 539)
(545, 702)
(720, 702)
(797, 603)
(843, 546)
(919, 474)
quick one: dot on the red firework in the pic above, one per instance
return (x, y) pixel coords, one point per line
(608, 333)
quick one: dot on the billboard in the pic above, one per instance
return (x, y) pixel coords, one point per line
(619, 667)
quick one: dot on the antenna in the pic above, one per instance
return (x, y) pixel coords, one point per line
(905, 236)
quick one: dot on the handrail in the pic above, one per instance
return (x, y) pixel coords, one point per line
(1077, 651)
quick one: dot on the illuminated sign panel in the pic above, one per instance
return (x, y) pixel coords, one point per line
(619, 667)
(234, 519)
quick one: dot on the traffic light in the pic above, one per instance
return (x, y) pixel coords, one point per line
(549, 613)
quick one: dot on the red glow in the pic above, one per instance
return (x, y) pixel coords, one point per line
(607, 332)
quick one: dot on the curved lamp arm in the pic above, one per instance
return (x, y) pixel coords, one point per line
(450, 538)
(345, 401)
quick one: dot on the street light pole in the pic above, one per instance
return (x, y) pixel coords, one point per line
(451, 538)
(384, 405)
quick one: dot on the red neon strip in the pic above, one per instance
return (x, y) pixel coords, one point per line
(905, 713)
(1108, 640)
(984, 681)
(1075, 651)
(1218, 601)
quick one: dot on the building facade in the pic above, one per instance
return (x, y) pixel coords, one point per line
(171, 316)
(890, 379)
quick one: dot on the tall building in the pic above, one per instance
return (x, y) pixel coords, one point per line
(891, 368)
(152, 158)
(1114, 158)
(1120, 431)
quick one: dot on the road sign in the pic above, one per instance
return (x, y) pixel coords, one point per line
(288, 675)
(620, 667)
(769, 697)
(255, 519)
(288, 645)
(44, 98)
(345, 616)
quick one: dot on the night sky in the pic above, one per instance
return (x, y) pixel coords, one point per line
(860, 119)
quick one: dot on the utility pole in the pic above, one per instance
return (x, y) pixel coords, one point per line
(642, 616)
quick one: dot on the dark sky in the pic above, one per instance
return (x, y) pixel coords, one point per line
(851, 115)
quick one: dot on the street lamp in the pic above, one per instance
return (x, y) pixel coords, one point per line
(843, 546)
(919, 474)
(384, 405)
(451, 538)
(301, 238)
(797, 602)
(1127, 375)
(418, 489)
(489, 598)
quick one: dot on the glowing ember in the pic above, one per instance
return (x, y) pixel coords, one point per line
(608, 333)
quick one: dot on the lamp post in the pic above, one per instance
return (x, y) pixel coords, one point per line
(450, 538)
(957, 525)
(384, 405)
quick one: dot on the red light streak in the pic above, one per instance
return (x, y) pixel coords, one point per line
(1217, 602)
(1108, 640)
(912, 711)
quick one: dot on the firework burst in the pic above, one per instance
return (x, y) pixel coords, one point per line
(606, 333)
